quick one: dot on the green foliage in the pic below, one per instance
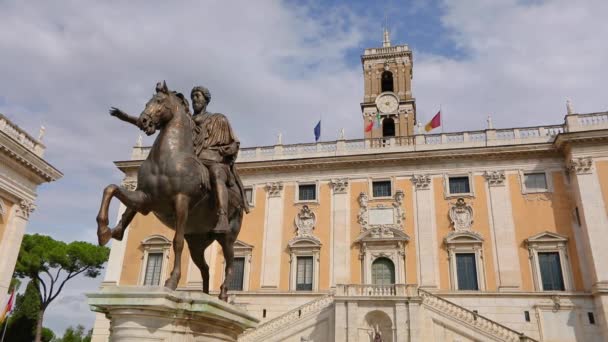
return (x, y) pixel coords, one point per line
(47, 335)
(75, 335)
(22, 322)
(51, 264)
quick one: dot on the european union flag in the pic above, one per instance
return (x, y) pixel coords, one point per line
(318, 131)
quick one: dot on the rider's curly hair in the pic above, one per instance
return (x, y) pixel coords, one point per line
(204, 90)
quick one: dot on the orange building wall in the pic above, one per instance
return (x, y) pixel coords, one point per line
(411, 262)
(355, 229)
(536, 213)
(142, 227)
(480, 225)
(602, 173)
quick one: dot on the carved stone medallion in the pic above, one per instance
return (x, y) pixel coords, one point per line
(305, 222)
(339, 185)
(461, 215)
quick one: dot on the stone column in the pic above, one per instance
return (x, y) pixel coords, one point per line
(11, 243)
(401, 322)
(117, 254)
(352, 329)
(426, 232)
(503, 232)
(594, 221)
(341, 325)
(340, 233)
(272, 246)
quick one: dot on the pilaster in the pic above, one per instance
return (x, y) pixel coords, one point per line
(273, 237)
(503, 231)
(340, 233)
(11, 243)
(426, 232)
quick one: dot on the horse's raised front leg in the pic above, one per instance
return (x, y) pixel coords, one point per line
(182, 202)
(197, 245)
(136, 200)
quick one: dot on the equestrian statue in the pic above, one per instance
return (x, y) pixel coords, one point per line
(188, 181)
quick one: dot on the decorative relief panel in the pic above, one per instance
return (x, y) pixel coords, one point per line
(495, 178)
(25, 208)
(581, 165)
(421, 182)
(305, 222)
(381, 216)
(274, 189)
(339, 185)
(461, 215)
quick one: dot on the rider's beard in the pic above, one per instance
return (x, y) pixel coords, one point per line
(199, 107)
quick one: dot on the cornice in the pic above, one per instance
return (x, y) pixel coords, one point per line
(564, 140)
(401, 158)
(27, 158)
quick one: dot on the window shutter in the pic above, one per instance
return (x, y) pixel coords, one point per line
(466, 271)
(551, 271)
(238, 270)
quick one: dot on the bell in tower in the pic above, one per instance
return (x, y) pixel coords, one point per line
(389, 110)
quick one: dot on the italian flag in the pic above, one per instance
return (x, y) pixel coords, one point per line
(7, 308)
(434, 123)
(373, 123)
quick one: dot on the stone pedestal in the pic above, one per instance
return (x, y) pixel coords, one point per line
(160, 314)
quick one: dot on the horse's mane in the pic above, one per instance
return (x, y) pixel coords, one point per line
(184, 101)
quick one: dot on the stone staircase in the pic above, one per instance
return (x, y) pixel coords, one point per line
(289, 318)
(486, 326)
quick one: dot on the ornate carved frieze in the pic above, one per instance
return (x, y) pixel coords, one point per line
(461, 215)
(340, 185)
(362, 217)
(495, 178)
(581, 166)
(274, 189)
(421, 182)
(305, 222)
(25, 208)
(129, 184)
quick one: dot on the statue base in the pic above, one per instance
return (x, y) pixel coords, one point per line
(159, 314)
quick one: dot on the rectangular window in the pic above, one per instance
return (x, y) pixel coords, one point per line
(535, 181)
(459, 185)
(466, 271)
(591, 317)
(238, 270)
(304, 274)
(307, 192)
(381, 188)
(551, 271)
(153, 269)
(249, 195)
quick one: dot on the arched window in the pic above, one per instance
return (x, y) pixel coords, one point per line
(388, 127)
(383, 272)
(387, 81)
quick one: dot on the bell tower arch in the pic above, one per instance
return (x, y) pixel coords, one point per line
(387, 90)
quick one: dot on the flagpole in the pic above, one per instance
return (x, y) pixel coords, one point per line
(4, 330)
(442, 119)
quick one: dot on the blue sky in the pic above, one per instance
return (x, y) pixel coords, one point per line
(273, 67)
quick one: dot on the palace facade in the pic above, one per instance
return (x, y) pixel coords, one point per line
(22, 170)
(490, 235)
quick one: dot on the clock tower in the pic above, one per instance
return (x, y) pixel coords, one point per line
(387, 74)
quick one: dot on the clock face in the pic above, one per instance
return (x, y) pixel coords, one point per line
(387, 103)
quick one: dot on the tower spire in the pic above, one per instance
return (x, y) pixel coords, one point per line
(387, 40)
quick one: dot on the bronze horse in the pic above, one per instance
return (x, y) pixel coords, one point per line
(174, 185)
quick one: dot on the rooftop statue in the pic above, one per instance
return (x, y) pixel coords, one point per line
(188, 180)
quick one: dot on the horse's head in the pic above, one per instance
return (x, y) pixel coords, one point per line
(161, 108)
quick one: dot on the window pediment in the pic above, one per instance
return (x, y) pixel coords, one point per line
(383, 233)
(304, 242)
(546, 237)
(156, 240)
(463, 237)
(242, 246)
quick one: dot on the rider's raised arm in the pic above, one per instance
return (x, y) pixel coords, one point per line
(124, 116)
